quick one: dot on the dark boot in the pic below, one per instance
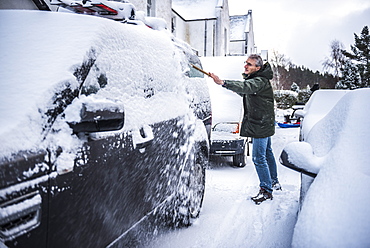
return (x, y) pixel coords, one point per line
(262, 196)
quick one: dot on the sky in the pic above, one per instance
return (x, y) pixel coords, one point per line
(303, 30)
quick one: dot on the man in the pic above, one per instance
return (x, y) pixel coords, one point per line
(258, 120)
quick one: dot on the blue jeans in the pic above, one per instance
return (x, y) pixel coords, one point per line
(264, 161)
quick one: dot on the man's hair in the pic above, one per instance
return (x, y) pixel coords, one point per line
(257, 58)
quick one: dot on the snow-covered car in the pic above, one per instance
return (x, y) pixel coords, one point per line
(103, 126)
(226, 141)
(319, 105)
(333, 155)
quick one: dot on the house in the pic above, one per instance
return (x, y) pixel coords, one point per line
(155, 8)
(204, 24)
(242, 35)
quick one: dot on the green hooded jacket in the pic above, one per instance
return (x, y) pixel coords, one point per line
(258, 101)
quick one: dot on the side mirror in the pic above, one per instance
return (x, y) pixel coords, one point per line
(299, 156)
(299, 113)
(109, 119)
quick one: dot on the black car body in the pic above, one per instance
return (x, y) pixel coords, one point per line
(105, 124)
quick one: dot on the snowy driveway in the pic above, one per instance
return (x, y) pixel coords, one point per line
(230, 219)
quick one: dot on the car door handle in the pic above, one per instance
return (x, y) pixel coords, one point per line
(142, 137)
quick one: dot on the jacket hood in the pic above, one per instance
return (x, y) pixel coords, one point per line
(265, 71)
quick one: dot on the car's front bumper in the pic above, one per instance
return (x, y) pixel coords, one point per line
(227, 147)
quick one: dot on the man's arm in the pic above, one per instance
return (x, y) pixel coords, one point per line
(248, 86)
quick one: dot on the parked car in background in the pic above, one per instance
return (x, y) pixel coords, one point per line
(333, 157)
(103, 124)
(227, 110)
(226, 141)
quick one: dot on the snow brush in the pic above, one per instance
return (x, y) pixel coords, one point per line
(197, 68)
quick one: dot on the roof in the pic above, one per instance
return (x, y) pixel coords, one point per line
(239, 25)
(196, 9)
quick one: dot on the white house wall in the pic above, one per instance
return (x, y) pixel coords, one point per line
(193, 32)
(222, 29)
(162, 8)
(237, 47)
(195, 37)
(202, 37)
(181, 30)
(251, 47)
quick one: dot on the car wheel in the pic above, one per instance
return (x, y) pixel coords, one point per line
(239, 160)
(190, 196)
(185, 206)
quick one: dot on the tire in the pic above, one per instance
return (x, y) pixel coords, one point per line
(239, 160)
(189, 200)
(186, 204)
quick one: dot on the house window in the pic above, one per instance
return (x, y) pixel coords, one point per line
(150, 7)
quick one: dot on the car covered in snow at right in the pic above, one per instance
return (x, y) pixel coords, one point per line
(333, 157)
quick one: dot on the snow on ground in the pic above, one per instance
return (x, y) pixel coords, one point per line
(230, 219)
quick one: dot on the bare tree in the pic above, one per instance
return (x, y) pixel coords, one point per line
(278, 59)
(335, 62)
(280, 64)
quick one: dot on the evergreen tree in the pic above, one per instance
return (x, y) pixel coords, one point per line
(294, 87)
(351, 78)
(361, 54)
(304, 95)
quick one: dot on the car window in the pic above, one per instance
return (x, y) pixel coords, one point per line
(227, 127)
(191, 72)
(61, 98)
(95, 81)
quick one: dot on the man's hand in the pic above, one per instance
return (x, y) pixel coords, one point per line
(216, 79)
